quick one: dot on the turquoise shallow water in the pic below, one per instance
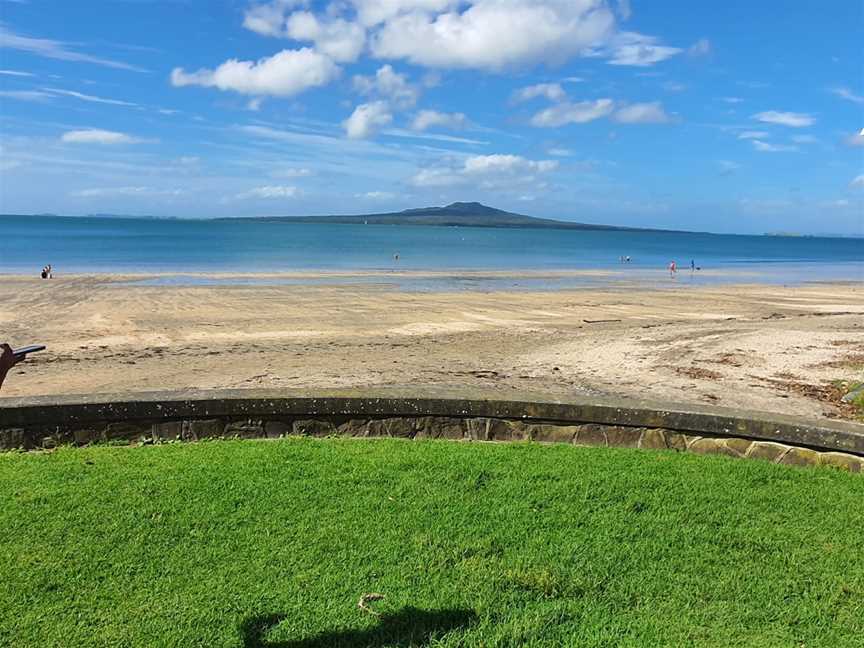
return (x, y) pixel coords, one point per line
(97, 245)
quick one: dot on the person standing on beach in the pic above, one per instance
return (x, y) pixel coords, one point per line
(673, 268)
(692, 265)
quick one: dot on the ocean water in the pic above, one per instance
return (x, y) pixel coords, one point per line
(127, 245)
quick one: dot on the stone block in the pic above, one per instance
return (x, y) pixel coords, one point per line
(843, 461)
(167, 430)
(500, 430)
(245, 429)
(276, 429)
(313, 427)
(547, 433)
(707, 445)
(127, 431)
(623, 437)
(13, 439)
(197, 429)
(738, 446)
(477, 429)
(766, 450)
(430, 427)
(83, 436)
(653, 439)
(590, 435)
(354, 428)
(800, 457)
(676, 441)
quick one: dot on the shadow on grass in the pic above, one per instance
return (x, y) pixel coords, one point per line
(408, 627)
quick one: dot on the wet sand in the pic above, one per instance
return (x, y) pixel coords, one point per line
(765, 347)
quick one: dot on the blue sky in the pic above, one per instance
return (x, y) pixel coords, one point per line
(731, 117)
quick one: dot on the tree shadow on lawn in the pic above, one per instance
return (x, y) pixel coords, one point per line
(408, 627)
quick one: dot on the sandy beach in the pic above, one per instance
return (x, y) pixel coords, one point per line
(764, 347)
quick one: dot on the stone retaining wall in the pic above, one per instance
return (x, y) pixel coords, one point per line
(152, 418)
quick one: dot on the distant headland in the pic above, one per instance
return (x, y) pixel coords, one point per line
(457, 214)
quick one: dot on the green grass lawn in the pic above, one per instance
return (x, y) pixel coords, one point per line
(272, 543)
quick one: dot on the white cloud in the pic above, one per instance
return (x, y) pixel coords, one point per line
(804, 139)
(630, 48)
(702, 47)
(573, 113)
(795, 120)
(552, 91)
(490, 171)
(291, 173)
(493, 34)
(268, 192)
(16, 73)
(642, 113)
(268, 19)
(560, 152)
(26, 95)
(284, 74)
(765, 147)
(429, 118)
(367, 119)
(374, 12)
(751, 134)
(55, 50)
(98, 136)
(624, 9)
(733, 100)
(847, 94)
(389, 84)
(339, 39)
(91, 98)
(375, 195)
(112, 192)
(857, 182)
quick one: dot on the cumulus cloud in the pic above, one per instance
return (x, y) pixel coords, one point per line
(367, 119)
(795, 120)
(573, 113)
(630, 48)
(268, 19)
(490, 171)
(429, 118)
(268, 192)
(642, 113)
(857, 182)
(389, 84)
(765, 147)
(751, 134)
(98, 136)
(284, 74)
(624, 9)
(339, 39)
(491, 34)
(551, 91)
(846, 93)
(373, 12)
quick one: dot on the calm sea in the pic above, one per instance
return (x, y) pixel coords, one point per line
(95, 245)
